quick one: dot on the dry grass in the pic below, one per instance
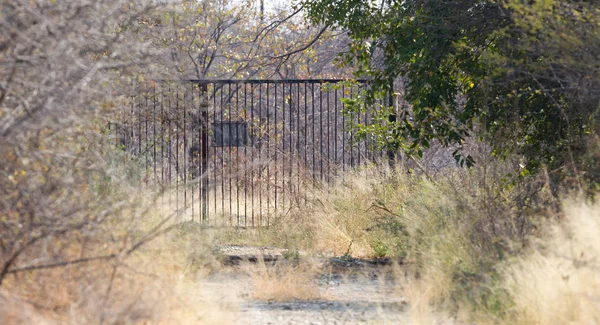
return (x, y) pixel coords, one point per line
(378, 212)
(343, 214)
(284, 281)
(449, 233)
(160, 283)
(559, 282)
(556, 282)
(17, 311)
(419, 295)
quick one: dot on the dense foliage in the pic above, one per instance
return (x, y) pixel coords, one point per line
(523, 75)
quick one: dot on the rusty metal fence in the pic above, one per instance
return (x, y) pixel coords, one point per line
(241, 152)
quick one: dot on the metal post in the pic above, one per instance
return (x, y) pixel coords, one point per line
(203, 107)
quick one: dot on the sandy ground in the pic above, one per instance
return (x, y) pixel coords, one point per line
(359, 296)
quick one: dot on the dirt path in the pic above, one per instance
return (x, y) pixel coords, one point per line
(358, 296)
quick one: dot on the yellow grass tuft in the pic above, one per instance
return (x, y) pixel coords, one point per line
(284, 281)
(559, 282)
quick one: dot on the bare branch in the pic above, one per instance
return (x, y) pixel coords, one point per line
(305, 47)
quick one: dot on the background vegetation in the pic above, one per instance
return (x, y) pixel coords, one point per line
(520, 75)
(511, 87)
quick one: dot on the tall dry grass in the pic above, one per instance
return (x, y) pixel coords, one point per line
(463, 240)
(284, 281)
(558, 281)
(554, 281)
(161, 282)
(451, 233)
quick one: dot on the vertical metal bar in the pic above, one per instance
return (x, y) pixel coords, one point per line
(200, 162)
(298, 141)
(368, 140)
(335, 126)
(252, 134)
(314, 169)
(202, 202)
(237, 153)
(268, 152)
(131, 138)
(177, 152)
(162, 138)
(245, 157)
(328, 140)
(204, 152)
(305, 135)
(260, 181)
(358, 143)
(229, 162)
(154, 142)
(283, 156)
(290, 161)
(382, 151)
(123, 131)
(214, 115)
(222, 155)
(351, 140)
(198, 157)
(343, 132)
(169, 151)
(109, 129)
(321, 130)
(208, 146)
(146, 133)
(276, 148)
(184, 124)
(192, 151)
(139, 125)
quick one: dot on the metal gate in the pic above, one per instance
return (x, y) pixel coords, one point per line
(241, 152)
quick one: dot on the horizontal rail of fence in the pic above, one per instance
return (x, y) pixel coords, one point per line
(241, 152)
